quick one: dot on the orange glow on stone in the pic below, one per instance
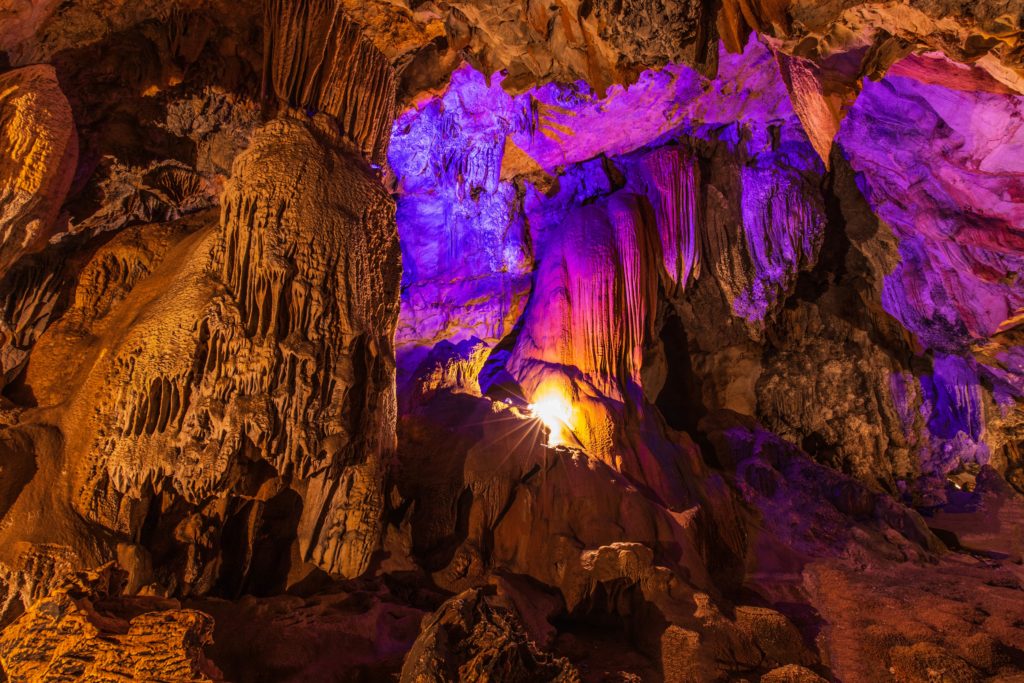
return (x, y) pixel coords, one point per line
(555, 412)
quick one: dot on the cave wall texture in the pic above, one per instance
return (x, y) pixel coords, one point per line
(512, 341)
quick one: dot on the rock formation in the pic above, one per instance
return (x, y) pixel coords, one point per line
(585, 341)
(234, 380)
(467, 639)
(40, 150)
(86, 630)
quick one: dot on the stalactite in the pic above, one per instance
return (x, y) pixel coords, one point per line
(783, 225)
(675, 177)
(273, 364)
(317, 59)
(597, 287)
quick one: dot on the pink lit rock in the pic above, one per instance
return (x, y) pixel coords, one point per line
(943, 169)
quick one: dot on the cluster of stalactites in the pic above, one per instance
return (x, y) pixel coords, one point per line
(317, 60)
(599, 287)
(279, 349)
(674, 176)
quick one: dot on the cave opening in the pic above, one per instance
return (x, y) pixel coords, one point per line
(680, 401)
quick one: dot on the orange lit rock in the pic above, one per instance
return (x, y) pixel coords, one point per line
(316, 58)
(38, 153)
(85, 630)
(218, 380)
(236, 347)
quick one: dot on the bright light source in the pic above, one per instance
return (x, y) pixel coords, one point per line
(555, 412)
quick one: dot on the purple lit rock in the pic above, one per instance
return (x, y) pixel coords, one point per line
(565, 221)
(465, 258)
(465, 252)
(944, 169)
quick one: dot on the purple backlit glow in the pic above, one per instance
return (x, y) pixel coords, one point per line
(951, 188)
(560, 218)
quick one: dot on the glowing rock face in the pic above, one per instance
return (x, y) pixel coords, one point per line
(591, 312)
(465, 256)
(595, 287)
(554, 410)
(674, 178)
(560, 222)
(573, 124)
(944, 170)
(575, 268)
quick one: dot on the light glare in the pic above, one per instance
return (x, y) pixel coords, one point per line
(555, 413)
